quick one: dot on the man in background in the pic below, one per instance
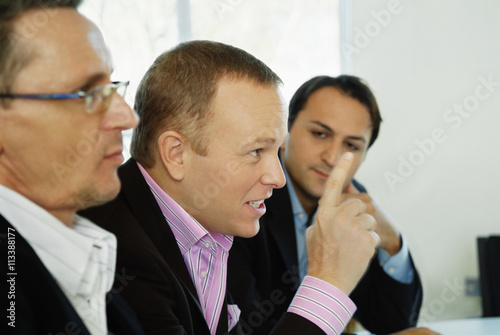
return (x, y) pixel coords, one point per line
(60, 146)
(204, 162)
(328, 118)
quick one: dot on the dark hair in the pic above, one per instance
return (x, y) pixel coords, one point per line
(13, 55)
(178, 89)
(350, 85)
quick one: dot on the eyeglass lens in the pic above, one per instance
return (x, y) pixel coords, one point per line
(98, 100)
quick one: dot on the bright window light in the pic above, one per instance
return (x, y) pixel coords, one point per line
(298, 39)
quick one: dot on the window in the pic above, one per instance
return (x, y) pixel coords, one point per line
(298, 39)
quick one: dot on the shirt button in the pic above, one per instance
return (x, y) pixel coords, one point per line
(301, 215)
(207, 244)
(391, 270)
(203, 274)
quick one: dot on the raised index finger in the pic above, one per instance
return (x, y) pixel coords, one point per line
(336, 180)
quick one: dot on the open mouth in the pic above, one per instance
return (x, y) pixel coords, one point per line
(257, 204)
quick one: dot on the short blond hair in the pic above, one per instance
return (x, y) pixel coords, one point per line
(178, 89)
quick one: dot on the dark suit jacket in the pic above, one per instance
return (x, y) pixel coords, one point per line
(40, 305)
(161, 292)
(266, 266)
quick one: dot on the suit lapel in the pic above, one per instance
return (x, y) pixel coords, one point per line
(144, 207)
(223, 319)
(279, 223)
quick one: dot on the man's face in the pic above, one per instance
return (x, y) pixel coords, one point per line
(53, 151)
(330, 124)
(225, 190)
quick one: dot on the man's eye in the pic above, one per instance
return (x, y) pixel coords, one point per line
(255, 152)
(353, 147)
(319, 134)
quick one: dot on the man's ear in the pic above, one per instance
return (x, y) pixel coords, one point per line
(172, 148)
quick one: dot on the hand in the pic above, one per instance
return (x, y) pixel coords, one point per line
(417, 331)
(390, 240)
(341, 240)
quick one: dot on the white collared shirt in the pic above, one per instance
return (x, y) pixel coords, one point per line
(81, 258)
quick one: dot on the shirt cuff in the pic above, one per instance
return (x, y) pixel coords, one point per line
(323, 304)
(398, 266)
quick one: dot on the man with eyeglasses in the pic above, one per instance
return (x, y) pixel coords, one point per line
(60, 146)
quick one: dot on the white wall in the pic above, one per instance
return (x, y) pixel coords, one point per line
(273, 31)
(421, 61)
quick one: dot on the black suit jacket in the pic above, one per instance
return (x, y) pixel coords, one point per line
(160, 289)
(40, 305)
(266, 266)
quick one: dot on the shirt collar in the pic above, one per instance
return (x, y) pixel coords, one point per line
(186, 229)
(76, 256)
(297, 208)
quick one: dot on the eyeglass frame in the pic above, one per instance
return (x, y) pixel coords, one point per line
(89, 96)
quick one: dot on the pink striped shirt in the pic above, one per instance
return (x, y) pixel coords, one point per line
(323, 304)
(205, 255)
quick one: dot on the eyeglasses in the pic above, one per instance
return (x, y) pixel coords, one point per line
(96, 100)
